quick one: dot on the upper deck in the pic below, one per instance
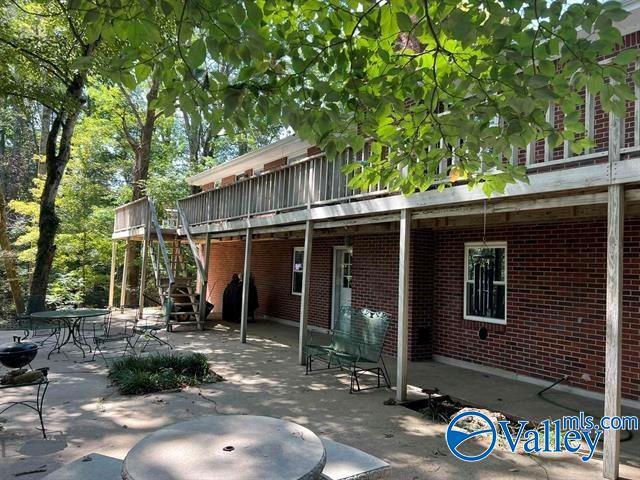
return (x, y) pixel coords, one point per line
(315, 188)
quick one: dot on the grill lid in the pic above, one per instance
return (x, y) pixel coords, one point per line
(17, 347)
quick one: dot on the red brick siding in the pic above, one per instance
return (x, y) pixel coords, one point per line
(555, 300)
(601, 121)
(281, 162)
(271, 266)
(555, 304)
(315, 150)
(226, 181)
(208, 186)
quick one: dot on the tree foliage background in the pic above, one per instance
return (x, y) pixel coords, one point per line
(426, 80)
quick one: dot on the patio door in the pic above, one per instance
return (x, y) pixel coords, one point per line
(342, 259)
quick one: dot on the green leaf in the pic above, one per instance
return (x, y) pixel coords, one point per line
(197, 53)
(627, 56)
(232, 100)
(404, 21)
(253, 12)
(142, 72)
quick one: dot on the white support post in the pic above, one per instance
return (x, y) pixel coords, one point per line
(550, 118)
(531, 153)
(143, 268)
(202, 308)
(636, 113)
(513, 159)
(125, 273)
(403, 305)
(112, 277)
(304, 300)
(613, 352)
(245, 287)
(589, 115)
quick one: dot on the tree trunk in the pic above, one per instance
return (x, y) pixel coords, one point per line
(45, 125)
(58, 151)
(142, 151)
(5, 246)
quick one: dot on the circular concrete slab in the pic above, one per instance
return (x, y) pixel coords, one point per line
(227, 447)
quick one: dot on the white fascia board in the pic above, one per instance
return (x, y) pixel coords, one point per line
(252, 160)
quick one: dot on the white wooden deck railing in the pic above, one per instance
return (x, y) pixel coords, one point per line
(316, 180)
(311, 182)
(131, 215)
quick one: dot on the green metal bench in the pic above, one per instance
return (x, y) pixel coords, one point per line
(356, 341)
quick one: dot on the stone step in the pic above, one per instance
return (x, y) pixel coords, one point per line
(348, 463)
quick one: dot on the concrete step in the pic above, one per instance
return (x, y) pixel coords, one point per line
(348, 463)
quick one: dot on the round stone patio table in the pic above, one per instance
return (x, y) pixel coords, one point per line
(227, 447)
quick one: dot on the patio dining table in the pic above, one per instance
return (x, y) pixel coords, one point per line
(69, 322)
(227, 447)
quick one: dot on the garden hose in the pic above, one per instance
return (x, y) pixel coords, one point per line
(625, 435)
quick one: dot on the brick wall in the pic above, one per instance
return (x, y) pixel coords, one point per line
(374, 282)
(271, 266)
(601, 120)
(555, 303)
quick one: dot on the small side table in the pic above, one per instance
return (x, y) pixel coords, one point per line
(37, 405)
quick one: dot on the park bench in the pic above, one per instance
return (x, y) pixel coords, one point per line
(355, 346)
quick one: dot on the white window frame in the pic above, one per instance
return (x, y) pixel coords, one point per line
(468, 246)
(293, 274)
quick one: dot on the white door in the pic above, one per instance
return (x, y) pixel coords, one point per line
(342, 259)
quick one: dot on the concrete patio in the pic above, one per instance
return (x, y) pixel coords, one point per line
(86, 415)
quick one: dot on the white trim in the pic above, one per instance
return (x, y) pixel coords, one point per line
(499, 372)
(467, 247)
(334, 273)
(293, 262)
(291, 146)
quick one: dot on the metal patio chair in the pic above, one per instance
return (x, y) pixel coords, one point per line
(109, 341)
(355, 345)
(148, 330)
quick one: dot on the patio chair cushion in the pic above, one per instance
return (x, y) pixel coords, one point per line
(348, 463)
(93, 466)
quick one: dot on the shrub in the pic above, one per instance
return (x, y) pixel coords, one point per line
(161, 371)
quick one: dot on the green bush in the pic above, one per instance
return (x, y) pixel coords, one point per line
(161, 371)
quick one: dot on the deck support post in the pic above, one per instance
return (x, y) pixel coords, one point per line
(112, 276)
(304, 300)
(125, 273)
(613, 352)
(244, 317)
(204, 281)
(143, 266)
(403, 305)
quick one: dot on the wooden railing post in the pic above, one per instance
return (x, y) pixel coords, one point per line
(112, 277)
(202, 311)
(613, 339)
(125, 273)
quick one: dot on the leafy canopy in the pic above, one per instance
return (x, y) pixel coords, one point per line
(425, 80)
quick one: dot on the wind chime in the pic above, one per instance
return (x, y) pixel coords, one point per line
(484, 266)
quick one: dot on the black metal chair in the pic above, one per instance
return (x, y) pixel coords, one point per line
(110, 341)
(148, 330)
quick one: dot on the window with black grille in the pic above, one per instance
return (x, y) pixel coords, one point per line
(485, 291)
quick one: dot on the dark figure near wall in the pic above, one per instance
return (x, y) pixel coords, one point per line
(232, 300)
(253, 299)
